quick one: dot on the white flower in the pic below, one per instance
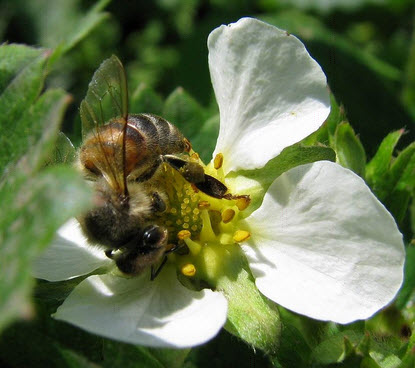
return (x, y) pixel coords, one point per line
(320, 243)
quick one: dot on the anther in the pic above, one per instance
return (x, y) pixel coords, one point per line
(218, 161)
(243, 202)
(241, 235)
(228, 215)
(188, 270)
(203, 205)
(184, 234)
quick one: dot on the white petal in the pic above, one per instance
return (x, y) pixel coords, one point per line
(68, 256)
(270, 92)
(323, 245)
(159, 313)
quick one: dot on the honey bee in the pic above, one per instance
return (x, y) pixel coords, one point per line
(122, 155)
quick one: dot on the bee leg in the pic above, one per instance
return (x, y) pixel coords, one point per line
(212, 187)
(155, 272)
(148, 174)
(191, 171)
(195, 174)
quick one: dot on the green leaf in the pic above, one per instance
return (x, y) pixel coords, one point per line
(324, 6)
(293, 350)
(256, 182)
(350, 152)
(379, 165)
(225, 351)
(251, 316)
(385, 352)
(45, 352)
(13, 61)
(33, 209)
(145, 100)
(184, 112)
(21, 87)
(40, 126)
(204, 142)
(408, 92)
(64, 23)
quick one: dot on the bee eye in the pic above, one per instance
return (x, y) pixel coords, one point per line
(153, 235)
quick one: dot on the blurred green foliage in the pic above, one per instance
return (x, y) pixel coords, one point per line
(365, 47)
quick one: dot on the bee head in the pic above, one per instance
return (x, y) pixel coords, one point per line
(114, 220)
(144, 250)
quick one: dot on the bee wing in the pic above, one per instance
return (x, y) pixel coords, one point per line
(105, 101)
(64, 152)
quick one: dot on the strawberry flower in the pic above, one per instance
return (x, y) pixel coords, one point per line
(317, 240)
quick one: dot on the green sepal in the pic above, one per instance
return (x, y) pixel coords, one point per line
(392, 179)
(408, 360)
(379, 165)
(336, 348)
(401, 183)
(325, 134)
(257, 182)
(251, 316)
(408, 287)
(349, 149)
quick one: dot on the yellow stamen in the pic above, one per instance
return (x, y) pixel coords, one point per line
(184, 234)
(206, 234)
(228, 215)
(188, 270)
(241, 235)
(193, 246)
(202, 205)
(243, 202)
(218, 161)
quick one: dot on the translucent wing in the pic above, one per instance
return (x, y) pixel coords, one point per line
(64, 152)
(104, 114)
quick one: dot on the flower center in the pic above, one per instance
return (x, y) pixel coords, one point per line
(202, 229)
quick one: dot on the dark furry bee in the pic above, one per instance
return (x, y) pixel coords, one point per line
(122, 155)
